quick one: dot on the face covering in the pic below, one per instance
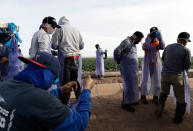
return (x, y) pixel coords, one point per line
(38, 76)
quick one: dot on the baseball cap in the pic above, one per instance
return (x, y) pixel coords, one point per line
(153, 29)
(44, 60)
(51, 20)
(184, 36)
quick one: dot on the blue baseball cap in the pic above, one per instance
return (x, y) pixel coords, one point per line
(44, 60)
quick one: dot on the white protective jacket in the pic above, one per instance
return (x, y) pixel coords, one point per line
(40, 43)
(67, 39)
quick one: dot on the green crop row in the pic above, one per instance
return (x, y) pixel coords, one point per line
(89, 64)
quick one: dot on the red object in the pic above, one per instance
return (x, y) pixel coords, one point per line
(74, 57)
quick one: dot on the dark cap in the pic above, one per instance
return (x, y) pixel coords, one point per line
(97, 45)
(184, 36)
(51, 20)
(153, 29)
(45, 60)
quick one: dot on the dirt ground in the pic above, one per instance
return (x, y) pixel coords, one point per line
(108, 116)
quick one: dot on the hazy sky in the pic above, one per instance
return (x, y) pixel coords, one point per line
(104, 22)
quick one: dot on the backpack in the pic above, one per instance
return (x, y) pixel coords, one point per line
(122, 50)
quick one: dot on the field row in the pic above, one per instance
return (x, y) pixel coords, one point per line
(89, 64)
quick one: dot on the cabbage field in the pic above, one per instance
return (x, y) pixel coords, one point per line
(89, 64)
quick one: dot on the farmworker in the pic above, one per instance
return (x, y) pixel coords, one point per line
(126, 55)
(176, 58)
(41, 39)
(151, 65)
(26, 105)
(68, 41)
(9, 50)
(4, 54)
(100, 61)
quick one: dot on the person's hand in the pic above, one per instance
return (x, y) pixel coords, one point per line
(88, 83)
(67, 88)
(4, 60)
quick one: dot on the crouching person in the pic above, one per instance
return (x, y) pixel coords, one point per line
(176, 58)
(26, 105)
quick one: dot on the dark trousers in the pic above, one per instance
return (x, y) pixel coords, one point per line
(70, 74)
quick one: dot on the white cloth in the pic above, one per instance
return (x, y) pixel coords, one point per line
(80, 70)
(186, 91)
(67, 39)
(99, 62)
(40, 43)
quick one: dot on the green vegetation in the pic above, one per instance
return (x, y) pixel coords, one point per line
(89, 64)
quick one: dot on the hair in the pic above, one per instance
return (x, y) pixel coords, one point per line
(97, 45)
(139, 34)
(182, 41)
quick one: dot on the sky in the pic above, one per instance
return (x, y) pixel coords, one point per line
(102, 22)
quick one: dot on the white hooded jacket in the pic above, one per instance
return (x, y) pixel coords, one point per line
(67, 39)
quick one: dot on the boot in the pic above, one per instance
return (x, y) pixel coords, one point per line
(161, 104)
(155, 100)
(143, 100)
(180, 110)
(127, 107)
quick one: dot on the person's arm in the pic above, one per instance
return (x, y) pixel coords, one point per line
(78, 118)
(146, 45)
(161, 42)
(163, 55)
(102, 52)
(56, 39)
(56, 92)
(81, 44)
(67, 88)
(187, 60)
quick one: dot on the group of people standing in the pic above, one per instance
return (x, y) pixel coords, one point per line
(28, 103)
(155, 79)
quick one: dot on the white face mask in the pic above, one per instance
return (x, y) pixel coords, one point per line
(49, 28)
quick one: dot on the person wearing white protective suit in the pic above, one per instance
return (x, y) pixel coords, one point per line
(126, 55)
(41, 39)
(100, 61)
(151, 65)
(176, 58)
(68, 41)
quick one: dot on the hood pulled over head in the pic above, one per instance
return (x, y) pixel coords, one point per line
(63, 20)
